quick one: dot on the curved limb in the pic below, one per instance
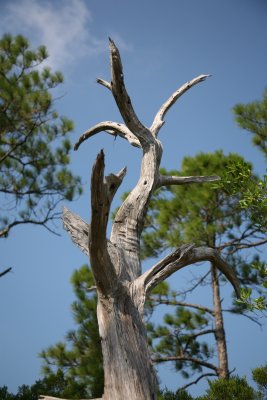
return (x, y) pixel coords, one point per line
(112, 128)
(196, 381)
(180, 258)
(159, 118)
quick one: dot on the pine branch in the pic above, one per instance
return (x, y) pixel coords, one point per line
(195, 382)
(6, 271)
(172, 302)
(157, 360)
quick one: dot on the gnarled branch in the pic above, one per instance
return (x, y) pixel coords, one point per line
(112, 128)
(159, 118)
(165, 180)
(180, 258)
(102, 193)
(77, 228)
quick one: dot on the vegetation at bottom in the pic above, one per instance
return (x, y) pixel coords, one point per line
(235, 388)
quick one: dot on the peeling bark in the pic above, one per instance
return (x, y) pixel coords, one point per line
(121, 286)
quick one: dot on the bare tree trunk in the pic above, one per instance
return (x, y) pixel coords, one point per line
(128, 372)
(223, 370)
(121, 286)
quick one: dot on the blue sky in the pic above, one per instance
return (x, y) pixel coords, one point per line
(163, 44)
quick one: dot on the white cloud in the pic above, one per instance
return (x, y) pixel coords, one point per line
(61, 25)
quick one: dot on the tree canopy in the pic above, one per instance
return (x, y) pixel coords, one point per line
(79, 357)
(253, 118)
(34, 143)
(194, 213)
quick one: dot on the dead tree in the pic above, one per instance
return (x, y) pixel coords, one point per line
(121, 286)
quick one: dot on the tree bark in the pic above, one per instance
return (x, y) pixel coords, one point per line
(127, 365)
(223, 370)
(120, 284)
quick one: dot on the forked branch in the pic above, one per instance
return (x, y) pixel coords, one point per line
(102, 193)
(122, 98)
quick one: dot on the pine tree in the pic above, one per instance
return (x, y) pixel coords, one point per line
(34, 144)
(79, 356)
(253, 118)
(197, 214)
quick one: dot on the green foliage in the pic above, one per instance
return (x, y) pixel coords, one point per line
(192, 213)
(260, 377)
(205, 216)
(51, 386)
(235, 388)
(34, 144)
(177, 338)
(179, 395)
(253, 118)
(238, 180)
(5, 395)
(80, 355)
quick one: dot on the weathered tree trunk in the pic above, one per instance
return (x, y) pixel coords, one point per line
(128, 372)
(121, 286)
(223, 370)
